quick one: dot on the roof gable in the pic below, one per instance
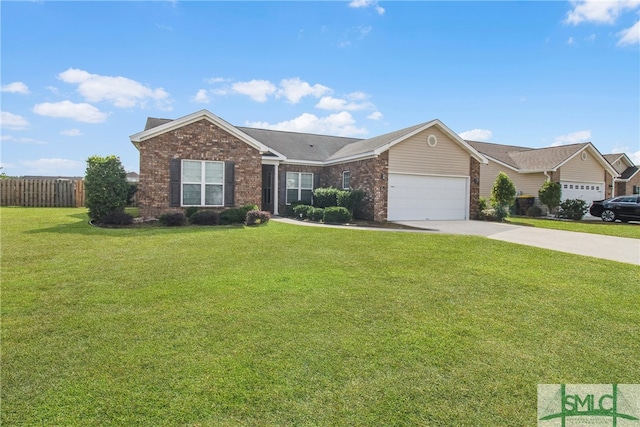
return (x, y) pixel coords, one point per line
(155, 127)
(379, 144)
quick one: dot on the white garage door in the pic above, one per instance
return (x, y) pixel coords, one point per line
(416, 197)
(587, 191)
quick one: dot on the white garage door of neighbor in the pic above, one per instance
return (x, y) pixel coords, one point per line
(582, 190)
(417, 197)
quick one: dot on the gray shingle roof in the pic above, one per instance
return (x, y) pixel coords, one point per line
(629, 172)
(528, 159)
(300, 146)
(153, 122)
(498, 152)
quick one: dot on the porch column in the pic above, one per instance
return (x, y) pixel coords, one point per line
(276, 189)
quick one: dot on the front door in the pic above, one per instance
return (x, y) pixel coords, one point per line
(268, 172)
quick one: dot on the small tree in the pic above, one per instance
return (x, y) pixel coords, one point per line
(3, 174)
(503, 192)
(550, 195)
(106, 186)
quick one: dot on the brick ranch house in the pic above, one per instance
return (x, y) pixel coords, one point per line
(424, 171)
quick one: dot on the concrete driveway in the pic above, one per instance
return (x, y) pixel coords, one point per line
(620, 249)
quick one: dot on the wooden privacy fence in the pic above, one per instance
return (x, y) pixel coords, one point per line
(42, 192)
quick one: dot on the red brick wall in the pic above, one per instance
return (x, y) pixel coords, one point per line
(371, 176)
(282, 184)
(201, 140)
(474, 190)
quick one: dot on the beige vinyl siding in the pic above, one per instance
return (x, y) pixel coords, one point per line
(579, 170)
(620, 166)
(526, 184)
(414, 156)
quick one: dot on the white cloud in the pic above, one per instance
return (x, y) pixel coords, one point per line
(604, 12)
(339, 124)
(337, 104)
(214, 80)
(16, 87)
(202, 97)
(630, 35)
(12, 138)
(53, 166)
(120, 91)
(258, 90)
(635, 157)
(66, 109)
(367, 3)
(295, 89)
(571, 41)
(13, 121)
(572, 138)
(477, 135)
(377, 115)
(71, 132)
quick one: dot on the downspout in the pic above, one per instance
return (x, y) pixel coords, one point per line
(547, 175)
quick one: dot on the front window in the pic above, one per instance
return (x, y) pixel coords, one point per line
(299, 187)
(202, 183)
(346, 180)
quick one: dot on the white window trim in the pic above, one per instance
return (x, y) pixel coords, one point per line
(202, 182)
(346, 173)
(299, 187)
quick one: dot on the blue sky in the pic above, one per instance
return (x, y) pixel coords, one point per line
(78, 78)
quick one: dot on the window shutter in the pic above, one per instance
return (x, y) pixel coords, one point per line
(175, 170)
(316, 180)
(229, 184)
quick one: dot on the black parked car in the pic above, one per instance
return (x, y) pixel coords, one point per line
(624, 208)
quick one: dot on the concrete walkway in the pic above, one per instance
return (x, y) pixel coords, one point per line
(621, 249)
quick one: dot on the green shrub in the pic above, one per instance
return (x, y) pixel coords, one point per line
(204, 218)
(117, 218)
(302, 211)
(573, 209)
(188, 212)
(325, 197)
(350, 199)
(534, 211)
(503, 192)
(550, 194)
(257, 217)
(316, 214)
(289, 213)
(496, 213)
(106, 186)
(336, 215)
(176, 219)
(483, 203)
(236, 215)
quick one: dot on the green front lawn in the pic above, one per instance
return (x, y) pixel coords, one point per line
(289, 325)
(617, 229)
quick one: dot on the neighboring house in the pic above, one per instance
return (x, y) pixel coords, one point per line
(133, 177)
(421, 172)
(581, 170)
(629, 180)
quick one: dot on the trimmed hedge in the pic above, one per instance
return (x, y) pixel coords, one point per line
(173, 219)
(337, 215)
(204, 218)
(256, 217)
(302, 211)
(236, 215)
(116, 218)
(573, 209)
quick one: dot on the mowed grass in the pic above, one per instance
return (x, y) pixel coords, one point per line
(616, 229)
(299, 326)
